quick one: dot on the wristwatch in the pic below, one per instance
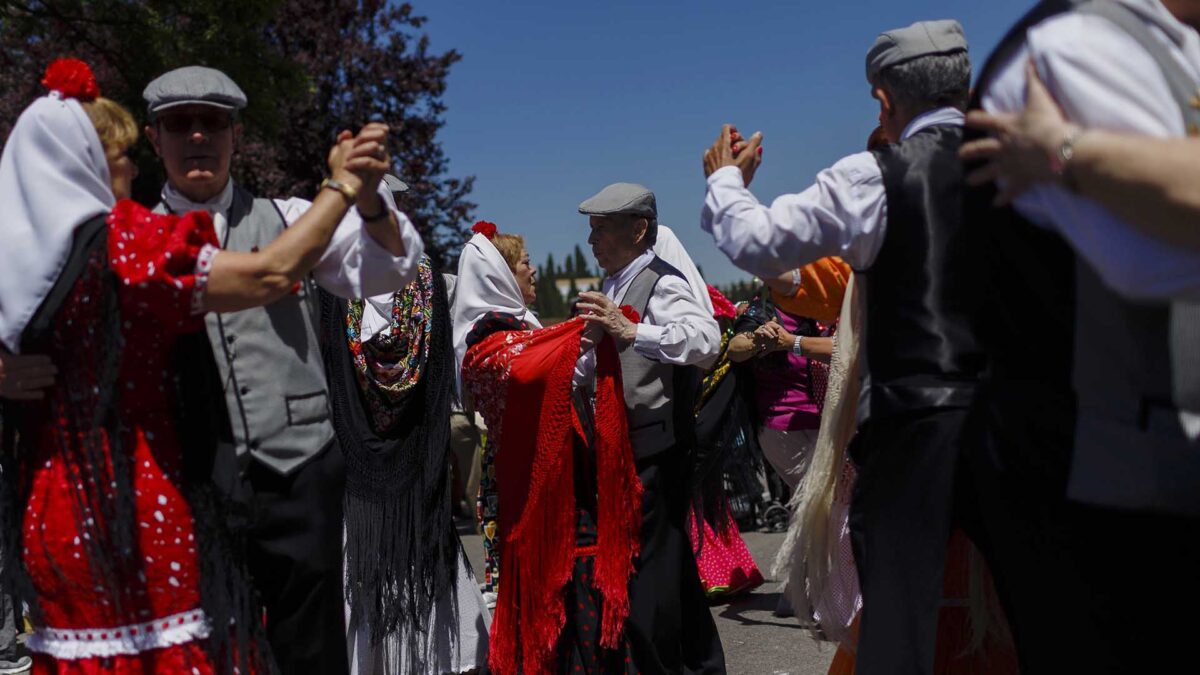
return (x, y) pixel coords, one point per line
(796, 346)
(348, 192)
(1061, 159)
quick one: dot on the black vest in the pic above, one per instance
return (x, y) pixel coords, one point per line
(921, 350)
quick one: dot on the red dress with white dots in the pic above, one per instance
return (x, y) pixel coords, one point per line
(153, 623)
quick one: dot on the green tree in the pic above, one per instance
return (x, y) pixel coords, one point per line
(581, 264)
(309, 67)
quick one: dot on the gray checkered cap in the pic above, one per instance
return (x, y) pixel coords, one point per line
(193, 85)
(621, 199)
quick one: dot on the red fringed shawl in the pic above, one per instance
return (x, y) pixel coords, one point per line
(532, 371)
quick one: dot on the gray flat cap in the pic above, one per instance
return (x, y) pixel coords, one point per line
(192, 85)
(394, 184)
(923, 38)
(621, 198)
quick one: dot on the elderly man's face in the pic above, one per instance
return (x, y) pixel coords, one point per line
(616, 240)
(195, 143)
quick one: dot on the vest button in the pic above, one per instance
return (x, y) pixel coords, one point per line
(245, 390)
(254, 444)
(231, 339)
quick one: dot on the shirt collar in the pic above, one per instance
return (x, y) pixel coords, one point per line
(180, 204)
(615, 283)
(1153, 12)
(952, 116)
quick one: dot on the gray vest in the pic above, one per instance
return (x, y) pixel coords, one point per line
(653, 389)
(269, 357)
(1137, 365)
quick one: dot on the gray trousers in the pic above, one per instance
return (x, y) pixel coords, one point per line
(8, 628)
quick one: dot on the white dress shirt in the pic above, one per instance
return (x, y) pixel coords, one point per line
(353, 266)
(843, 214)
(675, 329)
(1104, 79)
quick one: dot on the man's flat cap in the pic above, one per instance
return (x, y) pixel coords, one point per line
(193, 85)
(621, 199)
(923, 38)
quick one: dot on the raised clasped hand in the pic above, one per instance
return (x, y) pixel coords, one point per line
(730, 149)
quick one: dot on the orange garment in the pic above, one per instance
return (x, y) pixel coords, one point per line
(995, 657)
(822, 287)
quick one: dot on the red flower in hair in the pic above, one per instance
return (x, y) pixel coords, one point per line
(72, 78)
(722, 307)
(485, 228)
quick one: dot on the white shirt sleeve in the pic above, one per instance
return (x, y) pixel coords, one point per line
(844, 214)
(676, 328)
(1103, 79)
(355, 265)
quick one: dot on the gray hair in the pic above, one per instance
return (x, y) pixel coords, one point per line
(929, 82)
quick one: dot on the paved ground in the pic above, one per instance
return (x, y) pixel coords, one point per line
(756, 642)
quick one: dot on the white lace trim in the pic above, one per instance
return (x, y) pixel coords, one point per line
(204, 263)
(86, 643)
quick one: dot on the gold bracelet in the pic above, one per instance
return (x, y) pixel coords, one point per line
(348, 192)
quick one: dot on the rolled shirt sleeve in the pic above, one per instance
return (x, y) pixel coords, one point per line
(355, 265)
(677, 330)
(842, 214)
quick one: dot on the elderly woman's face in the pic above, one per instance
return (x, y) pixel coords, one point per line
(121, 170)
(526, 276)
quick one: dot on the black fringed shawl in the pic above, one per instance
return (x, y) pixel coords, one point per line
(401, 547)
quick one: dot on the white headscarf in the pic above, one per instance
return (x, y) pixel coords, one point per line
(485, 284)
(53, 178)
(669, 248)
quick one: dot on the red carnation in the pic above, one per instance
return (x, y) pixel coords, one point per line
(72, 78)
(485, 228)
(722, 307)
(631, 314)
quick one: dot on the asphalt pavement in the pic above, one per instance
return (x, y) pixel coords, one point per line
(756, 641)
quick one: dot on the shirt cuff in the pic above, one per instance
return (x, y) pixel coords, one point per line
(648, 339)
(727, 176)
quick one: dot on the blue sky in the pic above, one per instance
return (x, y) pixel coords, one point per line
(553, 100)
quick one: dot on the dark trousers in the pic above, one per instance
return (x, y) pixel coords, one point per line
(670, 627)
(1085, 589)
(295, 553)
(900, 520)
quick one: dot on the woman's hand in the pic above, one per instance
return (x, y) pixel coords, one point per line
(360, 161)
(1022, 147)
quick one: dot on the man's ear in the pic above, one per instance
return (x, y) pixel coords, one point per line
(887, 107)
(152, 136)
(640, 227)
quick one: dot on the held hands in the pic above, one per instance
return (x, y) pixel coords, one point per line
(772, 337)
(730, 149)
(1022, 146)
(597, 309)
(360, 161)
(23, 378)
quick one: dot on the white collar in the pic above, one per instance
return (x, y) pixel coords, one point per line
(616, 283)
(1182, 36)
(180, 204)
(951, 116)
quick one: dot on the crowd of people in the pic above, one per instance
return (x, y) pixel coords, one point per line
(237, 429)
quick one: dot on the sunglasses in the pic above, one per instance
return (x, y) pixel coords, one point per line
(207, 122)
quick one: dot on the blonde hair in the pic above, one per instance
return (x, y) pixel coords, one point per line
(113, 123)
(510, 247)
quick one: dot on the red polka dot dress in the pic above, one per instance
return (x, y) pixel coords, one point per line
(151, 622)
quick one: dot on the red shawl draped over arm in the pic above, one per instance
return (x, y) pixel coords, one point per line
(522, 380)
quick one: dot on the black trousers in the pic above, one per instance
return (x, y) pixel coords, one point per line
(900, 520)
(670, 628)
(295, 555)
(1085, 589)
